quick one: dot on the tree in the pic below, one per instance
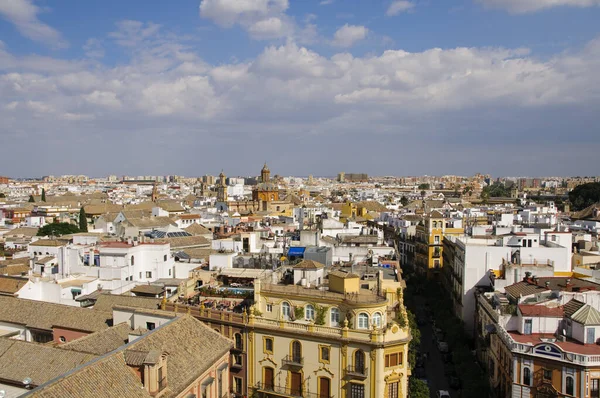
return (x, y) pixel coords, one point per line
(31, 199)
(423, 186)
(496, 190)
(58, 229)
(423, 193)
(403, 201)
(585, 195)
(2, 195)
(83, 225)
(43, 195)
(417, 388)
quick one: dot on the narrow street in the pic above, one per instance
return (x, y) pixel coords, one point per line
(434, 365)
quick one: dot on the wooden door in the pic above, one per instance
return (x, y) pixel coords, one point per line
(296, 384)
(269, 378)
(324, 388)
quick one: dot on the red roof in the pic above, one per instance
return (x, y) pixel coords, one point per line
(568, 346)
(541, 310)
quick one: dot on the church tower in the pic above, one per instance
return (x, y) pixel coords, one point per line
(154, 193)
(222, 189)
(265, 174)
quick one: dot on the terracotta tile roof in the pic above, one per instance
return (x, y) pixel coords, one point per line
(170, 206)
(107, 301)
(541, 311)
(99, 209)
(372, 205)
(15, 270)
(15, 261)
(150, 222)
(308, 264)
(197, 229)
(42, 315)
(10, 284)
(568, 346)
(49, 243)
(523, 289)
(41, 363)
(186, 241)
(148, 289)
(110, 375)
(99, 343)
(22, 231)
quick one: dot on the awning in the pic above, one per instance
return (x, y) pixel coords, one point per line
(296, 251)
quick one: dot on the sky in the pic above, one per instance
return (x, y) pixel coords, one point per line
(384, 87)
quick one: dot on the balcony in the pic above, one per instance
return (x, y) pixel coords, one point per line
(293, 361)
(437, 254)
(265, 391)
(354, 372)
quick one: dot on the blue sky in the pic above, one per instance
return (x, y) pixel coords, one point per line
(394, 87)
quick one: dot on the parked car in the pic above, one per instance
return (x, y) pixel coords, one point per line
(442, 346)
(454, 382)
(443, 394)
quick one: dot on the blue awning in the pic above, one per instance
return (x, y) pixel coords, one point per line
(296, 251)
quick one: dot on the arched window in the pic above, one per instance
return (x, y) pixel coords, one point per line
(570, 386)
(527, 376)
(359, 361)
(132, 260)
(377, 319)
(435, 224)
(238, 341)
(363, 321)
(297, 352)
(335, 317)
(309, 312)
(285, 310)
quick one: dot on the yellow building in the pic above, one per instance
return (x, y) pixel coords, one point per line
(429, 235)
(335, 340)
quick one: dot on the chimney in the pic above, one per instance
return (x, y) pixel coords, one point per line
(547, 285)
(568, 281)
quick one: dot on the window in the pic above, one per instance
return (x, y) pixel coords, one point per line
(357, 390)
(269, 307)
(150, 325)
(62, 339)
(435, 224)
(570, 385)
(591, 336)
(148, 274)
(363, 321)
(393, 359)
(595, 388)
(324, 354)
(238, 341)
(296, 351)
(237, 385)
(436, 239)
(132, 260)
(309, 313)
(359, 361)
(165, 258)
(547, 374)
(527, 376)
(377, 319)
(237, 359)
(169, 271)
(285, 310)
(528, 326)
(335, 317)
(393, 390)
(269, 345)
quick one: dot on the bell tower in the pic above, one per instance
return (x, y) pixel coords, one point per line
(265, 174)
(222, 188)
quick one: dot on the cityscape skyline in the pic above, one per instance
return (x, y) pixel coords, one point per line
(448, 89)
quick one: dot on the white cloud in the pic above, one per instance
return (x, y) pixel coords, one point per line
(326, 2)
(348, 35)
(24, 15)
(526, 6)
(132, 33)
(103, 98)
(270, 28)
(93, 48)
(399, 6)
(229, 12)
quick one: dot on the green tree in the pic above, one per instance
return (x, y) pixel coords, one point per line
(415, 343)
(31, 199)
(585, 195)
(58, 229)
(403, 200)
(417, 388)
(83, 225)
(424, 186)
(43, 195)
(496, 190)
(2, 195)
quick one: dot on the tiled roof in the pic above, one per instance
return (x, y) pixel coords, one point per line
(197, 229)
(42, 315)
(110, 376)
(150, 222)
(171, 206)
(49, 243)
(372, 205)
(523, 289)
(309, 264)
(148, 289)
(106, 302)
(99, 343)
(11, 284)
(187, 241)
(541, 310)
(41, 363)
(572, 307)
(15, 270)
(22, 231)
(587, 315)
(99, 209)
